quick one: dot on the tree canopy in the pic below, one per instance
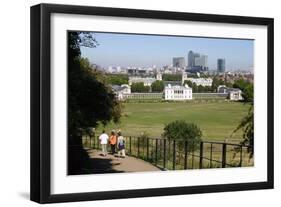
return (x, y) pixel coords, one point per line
(157, 86)
(183, 131)
(139, 88)
(90, 100)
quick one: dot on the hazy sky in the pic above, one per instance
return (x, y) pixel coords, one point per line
(148, 50)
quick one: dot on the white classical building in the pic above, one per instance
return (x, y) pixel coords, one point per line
(201, 81)
(121, 91)
(178, 92)
(146, 81)
(198, 81)
(234, 94)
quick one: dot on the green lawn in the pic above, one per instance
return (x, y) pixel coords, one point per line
(217, 120)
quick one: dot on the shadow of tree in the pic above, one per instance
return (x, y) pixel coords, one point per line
(101, 165)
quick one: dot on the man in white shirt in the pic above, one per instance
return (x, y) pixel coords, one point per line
(103, 141)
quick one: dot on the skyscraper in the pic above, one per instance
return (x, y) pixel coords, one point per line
(179, 62)
(204, 61)
(190, 59)
(197, 61)
(221, 65)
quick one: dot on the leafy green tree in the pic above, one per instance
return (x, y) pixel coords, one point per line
(188, 82)
(247, 125)
(194, 88)
(117, 79)
(157, 86)
(216, 83)
(139, 87)
(247, 89)
(182, 131)
(171, 77)
(90, 100)
(201, 89)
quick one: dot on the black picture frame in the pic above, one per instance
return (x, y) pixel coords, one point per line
(41, 95)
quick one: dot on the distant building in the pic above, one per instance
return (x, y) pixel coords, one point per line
(221, 65)
(204, 61)
(201, 81)
(198, 81)
(178, 92)
(146, 81)
(234, 94)
(190, 59)
(183, 77)
(179, 62)
(159, 76)
(121, 91)
(222, 89)
(197, 62)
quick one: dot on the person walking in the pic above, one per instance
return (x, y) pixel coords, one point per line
(112, 141)
(103, 141)
(121, 145)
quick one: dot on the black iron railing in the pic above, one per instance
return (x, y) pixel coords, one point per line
(179, 154)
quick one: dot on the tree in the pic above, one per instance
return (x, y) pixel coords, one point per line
(90, 100)
(216, 82)
(171, 77)
(188, 82)
(247, 123)
(201, 89)
(182, 131)
(157, 86)
(247, 89)
(117, 79)
(139, 87)
(194, 88)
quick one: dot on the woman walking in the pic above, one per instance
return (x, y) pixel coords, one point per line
(121, 145)
(112, 141)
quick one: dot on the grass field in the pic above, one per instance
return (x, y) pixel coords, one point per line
(217, 120)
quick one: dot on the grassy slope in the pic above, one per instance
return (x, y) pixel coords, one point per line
(216, 120)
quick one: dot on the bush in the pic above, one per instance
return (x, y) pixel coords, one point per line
(182, 131)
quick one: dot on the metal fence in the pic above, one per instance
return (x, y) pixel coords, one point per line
(178, 154)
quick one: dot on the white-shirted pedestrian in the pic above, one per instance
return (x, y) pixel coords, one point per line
(103, 141)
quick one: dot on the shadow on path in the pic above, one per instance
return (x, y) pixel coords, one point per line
(111, 164)
(102, 165)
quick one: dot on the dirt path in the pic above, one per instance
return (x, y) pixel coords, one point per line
(113, 164)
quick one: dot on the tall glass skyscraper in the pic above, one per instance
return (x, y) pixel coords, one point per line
(178, 62)
(221, 65)
(190, 58)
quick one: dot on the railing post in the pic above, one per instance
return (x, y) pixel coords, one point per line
(138, 147)
(211, 156)
(98, 142)
(241, 155)
(223, 155)
(130, 146)
(90, 141)
(185, 155)
(147, 148)
(192, 161)
(201, 155)
(174, 154)
(164, 154)
(156, 150)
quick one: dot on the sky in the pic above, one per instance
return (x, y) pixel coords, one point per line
(116, 49)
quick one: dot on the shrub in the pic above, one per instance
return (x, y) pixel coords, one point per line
(182, 131)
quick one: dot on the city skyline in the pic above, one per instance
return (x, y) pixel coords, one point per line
(138, 50)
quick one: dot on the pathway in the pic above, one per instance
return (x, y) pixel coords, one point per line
(113, 164)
